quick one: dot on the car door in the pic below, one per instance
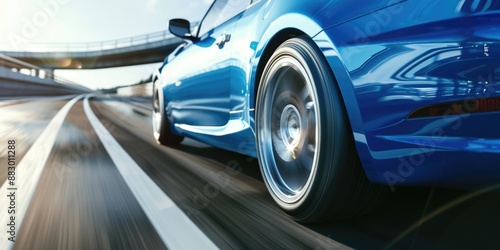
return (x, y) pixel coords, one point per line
(200, 92)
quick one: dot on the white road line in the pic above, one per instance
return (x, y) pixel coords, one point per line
(29, 170)
(173, 226)
(4, 101)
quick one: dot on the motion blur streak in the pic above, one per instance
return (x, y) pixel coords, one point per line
(30, 170)
(175, 229)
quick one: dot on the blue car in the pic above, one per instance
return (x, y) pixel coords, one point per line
(343, 100)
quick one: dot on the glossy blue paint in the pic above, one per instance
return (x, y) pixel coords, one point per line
(389, 58)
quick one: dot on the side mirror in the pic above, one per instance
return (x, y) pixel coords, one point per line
(181, 28)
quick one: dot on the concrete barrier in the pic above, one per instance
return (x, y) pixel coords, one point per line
(141, 90)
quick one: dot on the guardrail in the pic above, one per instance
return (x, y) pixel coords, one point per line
(12, 63)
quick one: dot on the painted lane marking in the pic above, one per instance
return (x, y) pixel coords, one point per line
(173, 226)
(29, 170)
(8, 101)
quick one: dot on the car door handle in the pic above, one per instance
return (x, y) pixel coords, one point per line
(223, 39)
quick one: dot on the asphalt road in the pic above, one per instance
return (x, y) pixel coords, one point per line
(90, 176)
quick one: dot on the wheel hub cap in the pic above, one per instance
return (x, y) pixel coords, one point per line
(290, 128)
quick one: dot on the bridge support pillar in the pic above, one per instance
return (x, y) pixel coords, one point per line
(49, 74)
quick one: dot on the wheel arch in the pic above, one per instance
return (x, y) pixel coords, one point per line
(280, 29)
(268, 51)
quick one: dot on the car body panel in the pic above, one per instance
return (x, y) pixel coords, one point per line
(389, 58)
(209, 106)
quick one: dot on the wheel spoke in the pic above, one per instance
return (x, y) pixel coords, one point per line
(305, 95)
(311, 129)
(306, 158)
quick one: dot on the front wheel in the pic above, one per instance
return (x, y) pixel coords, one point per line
(305, 145)
(161, 127)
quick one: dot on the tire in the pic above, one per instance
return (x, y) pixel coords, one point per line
(305, 144)
(162, 130)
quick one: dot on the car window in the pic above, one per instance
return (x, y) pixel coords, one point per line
(221, 11)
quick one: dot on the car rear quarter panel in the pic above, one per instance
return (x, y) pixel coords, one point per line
(414, 54)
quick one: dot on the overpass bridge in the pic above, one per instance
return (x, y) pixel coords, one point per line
(143, 49)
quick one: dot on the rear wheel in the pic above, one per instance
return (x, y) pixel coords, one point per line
(161, 127)
(304, 142)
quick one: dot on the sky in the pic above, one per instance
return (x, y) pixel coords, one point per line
(24, 23)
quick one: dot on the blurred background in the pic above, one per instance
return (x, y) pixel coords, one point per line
(62, 26)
